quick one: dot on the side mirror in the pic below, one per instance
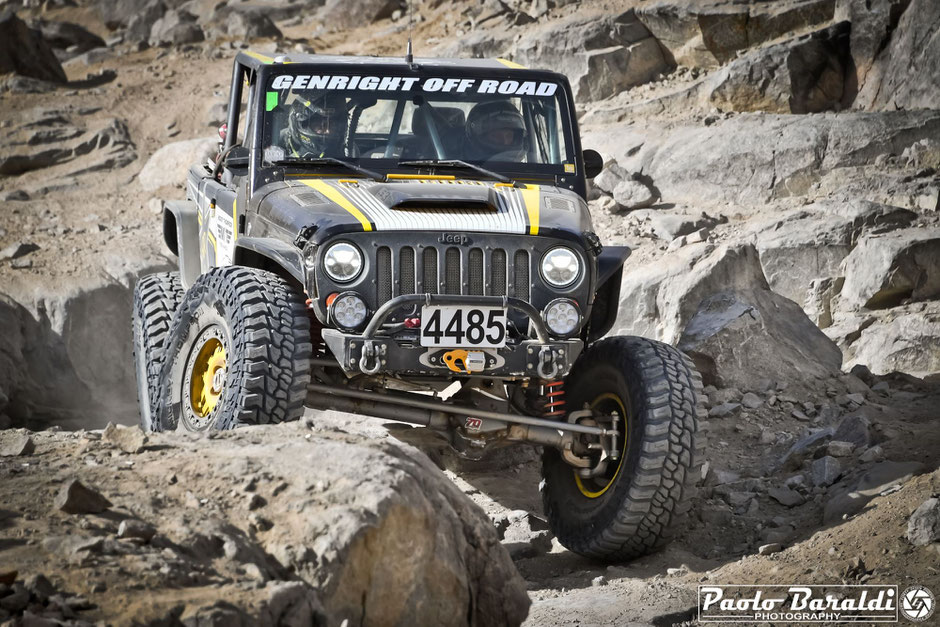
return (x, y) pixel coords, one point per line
(238, 157)
(593, 163)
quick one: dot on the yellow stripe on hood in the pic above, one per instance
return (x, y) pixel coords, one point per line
(337, 197)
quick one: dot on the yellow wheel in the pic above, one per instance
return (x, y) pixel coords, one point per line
(635, 500)
(595, 487)
(205, 378)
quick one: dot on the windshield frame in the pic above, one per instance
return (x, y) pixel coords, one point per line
(525, 172)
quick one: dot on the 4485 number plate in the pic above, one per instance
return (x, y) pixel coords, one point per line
(463, 327)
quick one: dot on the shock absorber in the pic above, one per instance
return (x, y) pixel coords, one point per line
(554, 392)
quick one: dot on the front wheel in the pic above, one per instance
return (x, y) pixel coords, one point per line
(238, 353)
(631, 508)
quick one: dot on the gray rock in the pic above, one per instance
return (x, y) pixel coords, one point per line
(17, 250)
(17, 600)
(168, 165)
(872, 454)
(74, 498)
(633, 194)
(668, 225)
(602, 55)
(599, 581)
(854, 429)
(826, 470)
(142, 21)
(804, 447)
(906, 73)
(885, 269)
(16, 445)
(350, 14)
(715, 513)
(900, 339)
(724, 410)
(876, 480)
(40, 587)
(128, 439)
(770, 549)
(24, 51)
(840, 449)
(175, 28)
(709, 34)
(133, 528)
(923, 527)
(752, 401)
(778, 535)
(248, 25)
(801, 75)
(786, 496)
(780, 340)
(68, 36)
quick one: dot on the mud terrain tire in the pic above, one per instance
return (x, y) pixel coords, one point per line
(238, 353)
(156, 298)
(633, 509)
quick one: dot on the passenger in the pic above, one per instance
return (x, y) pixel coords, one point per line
(496, 132)
(316, 127)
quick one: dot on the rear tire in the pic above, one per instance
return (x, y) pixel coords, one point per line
(633, 508)
(156, 298)
(238, 353)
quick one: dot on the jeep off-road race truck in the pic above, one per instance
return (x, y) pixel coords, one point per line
(409, 239)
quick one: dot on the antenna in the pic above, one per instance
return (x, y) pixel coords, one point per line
(409, 56)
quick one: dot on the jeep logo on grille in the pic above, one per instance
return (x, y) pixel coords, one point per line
(455, 238)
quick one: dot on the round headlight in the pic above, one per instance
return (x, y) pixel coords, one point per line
(342, 262)
(560, 267)
(349, 310)
(562, 316)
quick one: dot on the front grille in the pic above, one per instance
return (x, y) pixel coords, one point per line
(451, 270)
(383, 274)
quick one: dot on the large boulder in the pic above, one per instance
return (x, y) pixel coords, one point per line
(294, 524)
(600, 54)
(168, 165)
(68, 36)
(802, 75)
(906, 74)
(23, 51)
(714, 303)
(873, 22)
(350, 14)
(802, 245)
(659, 299)
(709, 33)
(885, 269)
(43, 138)
(744, 338)
(175, 28)
(901, 339)
(753, 158)
(141, 23)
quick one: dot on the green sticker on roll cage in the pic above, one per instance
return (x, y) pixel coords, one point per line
(270, 101)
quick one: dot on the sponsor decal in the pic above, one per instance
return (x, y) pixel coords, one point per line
(473, 424)
(339, 82)
(800, 603)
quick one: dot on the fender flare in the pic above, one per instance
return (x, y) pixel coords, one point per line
(607, 295)
(181, 234)
(280, 254)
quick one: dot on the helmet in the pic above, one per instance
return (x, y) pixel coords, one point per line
(496, 129)
(316, 126)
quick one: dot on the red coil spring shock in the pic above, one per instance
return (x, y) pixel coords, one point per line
(555, 397)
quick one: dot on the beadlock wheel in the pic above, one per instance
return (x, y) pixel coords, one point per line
(238, 353)
(631, 508)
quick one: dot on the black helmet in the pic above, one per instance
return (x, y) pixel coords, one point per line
(317, 125)
(496, 129)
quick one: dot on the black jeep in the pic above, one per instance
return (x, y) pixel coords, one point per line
(409, 239)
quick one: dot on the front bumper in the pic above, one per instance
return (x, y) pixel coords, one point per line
(372, 352)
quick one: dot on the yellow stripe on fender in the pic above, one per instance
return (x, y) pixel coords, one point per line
(337, 197)
(531, 196)
(261, 57)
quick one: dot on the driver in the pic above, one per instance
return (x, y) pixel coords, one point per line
(316, 127)
(496, 131)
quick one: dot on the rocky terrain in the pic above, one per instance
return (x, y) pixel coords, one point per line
(773, 165)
